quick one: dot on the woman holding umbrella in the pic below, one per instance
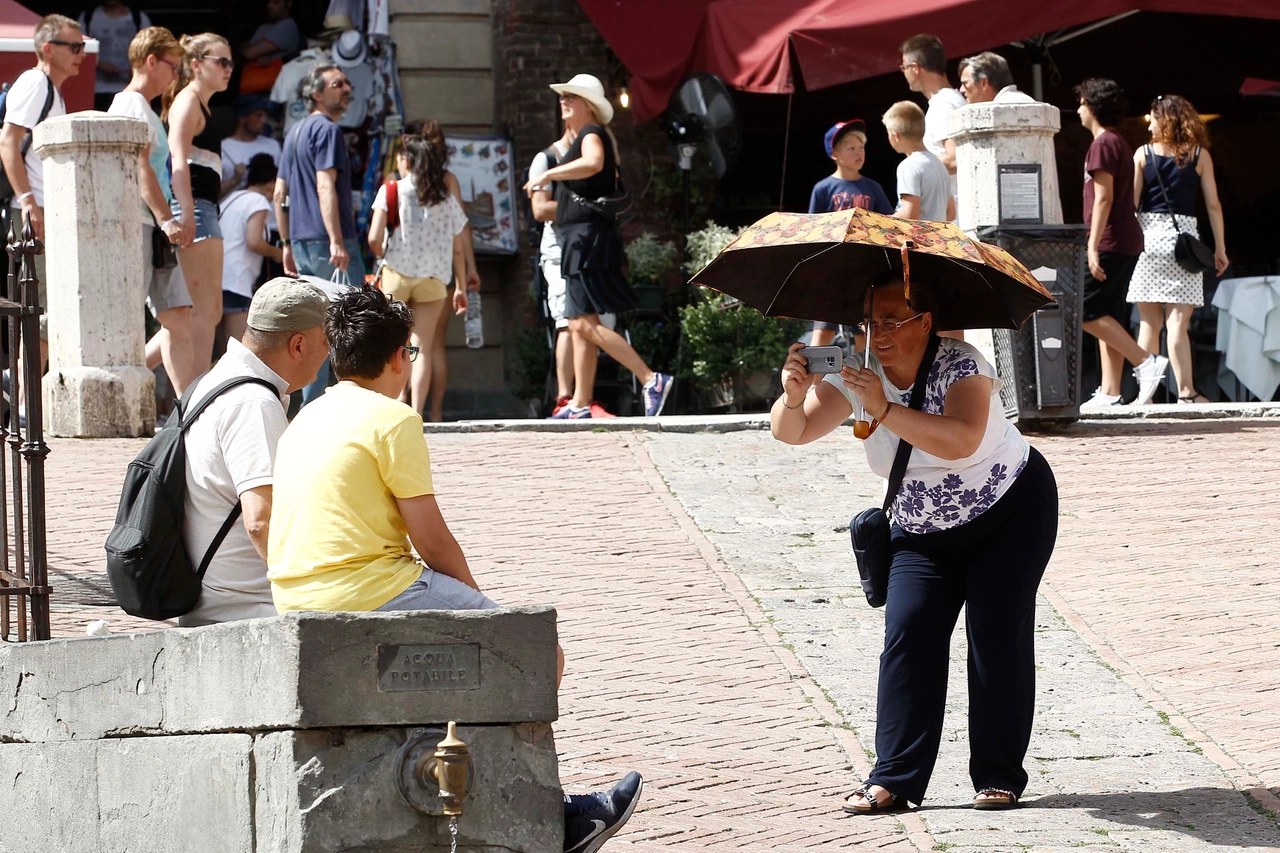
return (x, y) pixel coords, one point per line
(974, 524)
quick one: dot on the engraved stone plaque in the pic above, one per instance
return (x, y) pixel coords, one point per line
(406, 667)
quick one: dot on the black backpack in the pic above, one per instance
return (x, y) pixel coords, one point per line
(146, 557)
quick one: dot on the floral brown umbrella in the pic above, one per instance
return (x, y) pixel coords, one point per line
(819, 266)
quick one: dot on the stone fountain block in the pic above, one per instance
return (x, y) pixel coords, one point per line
(282, 735)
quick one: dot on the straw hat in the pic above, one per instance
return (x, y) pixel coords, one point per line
(590, 89)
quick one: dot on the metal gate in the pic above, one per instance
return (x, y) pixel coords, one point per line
(24, 576)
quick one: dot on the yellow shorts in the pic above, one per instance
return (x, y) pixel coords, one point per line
(411, 290)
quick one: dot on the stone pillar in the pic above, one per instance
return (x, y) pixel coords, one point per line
(97, 385)
(991, 135)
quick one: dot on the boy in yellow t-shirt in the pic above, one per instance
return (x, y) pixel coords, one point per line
(352, 492)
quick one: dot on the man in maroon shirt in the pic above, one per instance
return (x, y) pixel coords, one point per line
(1115, 242)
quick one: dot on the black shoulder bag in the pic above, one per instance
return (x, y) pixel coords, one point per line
(1190, 253)
(869, 529)
(616, 208)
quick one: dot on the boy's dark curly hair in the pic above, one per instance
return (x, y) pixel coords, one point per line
(365, 328)
(1104, 98)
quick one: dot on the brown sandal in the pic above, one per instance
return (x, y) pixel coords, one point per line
(872, 805)
(995, 799)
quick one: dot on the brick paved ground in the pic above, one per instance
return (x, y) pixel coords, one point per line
(1165, 567)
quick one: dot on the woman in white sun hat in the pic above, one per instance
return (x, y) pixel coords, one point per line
(591, 251)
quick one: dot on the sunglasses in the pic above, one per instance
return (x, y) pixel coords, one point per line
(220, 61)
(344, 83)
(172, 65)
(412, 352)
(76, 47)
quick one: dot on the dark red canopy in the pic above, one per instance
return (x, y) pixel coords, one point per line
(750, 42)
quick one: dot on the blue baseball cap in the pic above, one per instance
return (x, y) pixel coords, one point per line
(839, 129)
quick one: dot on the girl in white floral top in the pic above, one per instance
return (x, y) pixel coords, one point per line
(974, 524)
(425, 250)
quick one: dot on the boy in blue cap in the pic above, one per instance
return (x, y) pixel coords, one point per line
(844, 189)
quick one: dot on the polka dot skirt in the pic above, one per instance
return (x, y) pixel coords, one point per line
(1158, 278)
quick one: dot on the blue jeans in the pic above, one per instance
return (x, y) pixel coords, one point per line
(312, 258)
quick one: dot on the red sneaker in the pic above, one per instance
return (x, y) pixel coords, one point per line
(561, 402)
(598, 411)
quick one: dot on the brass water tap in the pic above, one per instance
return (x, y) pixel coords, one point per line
(450, 768)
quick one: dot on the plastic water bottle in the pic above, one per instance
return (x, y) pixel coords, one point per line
(474, 325)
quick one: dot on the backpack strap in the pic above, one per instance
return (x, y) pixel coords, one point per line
(899, 469)
(186, 421)
(186, 418)
(44, 114)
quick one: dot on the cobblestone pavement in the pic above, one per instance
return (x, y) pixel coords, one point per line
(1157, 689)
(736, 669)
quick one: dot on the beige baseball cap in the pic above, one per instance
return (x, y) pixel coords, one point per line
(287, 304)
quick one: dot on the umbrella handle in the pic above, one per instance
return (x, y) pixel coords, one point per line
(862, 429)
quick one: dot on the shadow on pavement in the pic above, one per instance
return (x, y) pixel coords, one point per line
(1213, 815)
(1201, 427)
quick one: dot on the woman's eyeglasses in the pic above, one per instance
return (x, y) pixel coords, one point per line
(74, 46)
(221, 61)
(886, 326)
(412, 352)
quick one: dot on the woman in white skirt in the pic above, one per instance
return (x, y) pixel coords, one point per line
(1163, 290)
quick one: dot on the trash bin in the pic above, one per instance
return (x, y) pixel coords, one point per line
(1039, 364)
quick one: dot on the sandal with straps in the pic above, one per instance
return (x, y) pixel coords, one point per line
(1194, 398)
(870, 804)
(995, 799)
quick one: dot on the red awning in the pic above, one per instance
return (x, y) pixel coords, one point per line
(750, 43)
(16, 20)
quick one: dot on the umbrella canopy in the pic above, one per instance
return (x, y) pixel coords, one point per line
(818, 266)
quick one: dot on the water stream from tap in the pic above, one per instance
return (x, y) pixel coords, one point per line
(453, 834)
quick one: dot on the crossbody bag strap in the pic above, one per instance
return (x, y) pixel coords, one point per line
(1155, 167)
(899, 469)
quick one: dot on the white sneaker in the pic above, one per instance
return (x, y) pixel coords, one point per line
(1149, 375)
(1099, 401)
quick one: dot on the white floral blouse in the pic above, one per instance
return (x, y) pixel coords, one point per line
(423, 244)
(940, 493)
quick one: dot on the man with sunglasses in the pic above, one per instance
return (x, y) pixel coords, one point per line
(34, 97)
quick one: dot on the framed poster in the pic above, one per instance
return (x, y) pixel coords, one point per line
(484, 167)
(1019, 194)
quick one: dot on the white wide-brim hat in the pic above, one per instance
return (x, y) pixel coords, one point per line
(590, 89)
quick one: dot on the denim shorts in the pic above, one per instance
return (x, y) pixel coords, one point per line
(235, 303)
(206, 218)
(434, 591)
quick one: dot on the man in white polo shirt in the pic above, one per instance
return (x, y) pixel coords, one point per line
(231, 446)
(924, 65)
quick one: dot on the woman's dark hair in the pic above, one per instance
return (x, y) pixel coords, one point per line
(427, 157)
(261, 170)
(1104, 98)
(365, 328)
(1178, 126)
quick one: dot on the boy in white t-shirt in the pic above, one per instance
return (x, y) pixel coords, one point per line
(924, 186)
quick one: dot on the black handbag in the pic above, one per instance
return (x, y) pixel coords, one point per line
(869, 529)
(617, 208)
(1190, 253)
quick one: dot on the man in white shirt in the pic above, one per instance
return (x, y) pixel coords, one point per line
(247, 140)
(231, 447)
(114, 25)
(924, 65)
(35, 97)
(986, 77)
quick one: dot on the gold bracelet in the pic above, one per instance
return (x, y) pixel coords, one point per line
(785, 406)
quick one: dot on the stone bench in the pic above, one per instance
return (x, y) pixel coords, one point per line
(286, 735)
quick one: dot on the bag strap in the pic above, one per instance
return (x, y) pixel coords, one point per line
(217, 540)
(187, 418)
(393, 206)
(899, 469)
(44, 114)
(1155, 167)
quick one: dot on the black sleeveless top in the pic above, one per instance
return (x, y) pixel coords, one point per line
(206, 161)
(1180, 182)
(600, 184)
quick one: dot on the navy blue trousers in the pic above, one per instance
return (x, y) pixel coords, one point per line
(991, 565)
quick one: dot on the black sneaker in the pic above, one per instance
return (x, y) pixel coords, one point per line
(592, 819)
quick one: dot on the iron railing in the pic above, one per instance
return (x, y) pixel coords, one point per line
(24, 575)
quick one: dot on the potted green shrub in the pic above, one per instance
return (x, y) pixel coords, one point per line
(649, 264)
